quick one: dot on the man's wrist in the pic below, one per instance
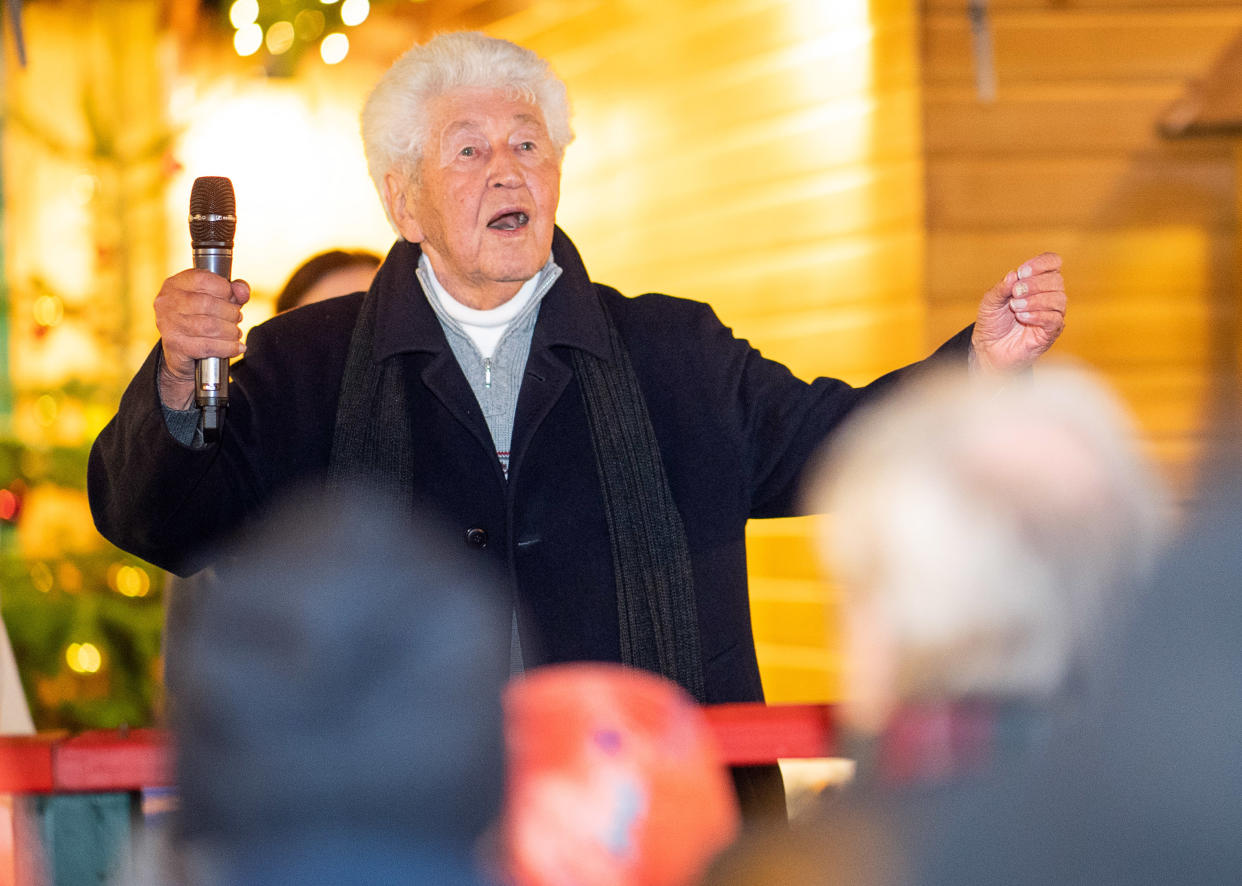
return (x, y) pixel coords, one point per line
(176, 391)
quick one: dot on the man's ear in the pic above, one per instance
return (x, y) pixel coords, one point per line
(399, 193)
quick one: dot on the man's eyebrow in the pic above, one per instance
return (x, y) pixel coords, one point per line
(460, 125)
(470, 125)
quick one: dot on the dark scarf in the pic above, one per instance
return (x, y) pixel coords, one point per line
(651, 557)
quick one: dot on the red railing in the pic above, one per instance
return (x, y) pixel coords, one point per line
(138, 758)
(107, 772)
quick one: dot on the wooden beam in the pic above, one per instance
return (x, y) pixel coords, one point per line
(1211, 105)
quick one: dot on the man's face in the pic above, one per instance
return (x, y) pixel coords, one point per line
(485, 207)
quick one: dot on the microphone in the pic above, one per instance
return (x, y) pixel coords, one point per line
(213, 220)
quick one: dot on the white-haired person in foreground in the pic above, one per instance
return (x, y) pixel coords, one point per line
(605, 453)
(982, 532)
(986, 536)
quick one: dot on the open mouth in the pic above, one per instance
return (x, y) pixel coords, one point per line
(509, 221)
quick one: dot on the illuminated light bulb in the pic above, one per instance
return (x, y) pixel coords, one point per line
(328, 2)
(132, 581)
(46, 409)
(247, 40)
(309, 24)
(8, 504)
(244, 12)
(84, 658)
(48, 310)
(334, 48)
(355, 12)
(280, 38)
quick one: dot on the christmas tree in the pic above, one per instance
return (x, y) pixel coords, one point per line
(86, 162)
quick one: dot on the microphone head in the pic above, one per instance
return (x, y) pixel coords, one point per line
(213, 212)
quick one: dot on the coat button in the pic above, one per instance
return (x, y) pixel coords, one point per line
(476, 538)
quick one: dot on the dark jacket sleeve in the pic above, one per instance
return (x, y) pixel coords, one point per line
(743, 427)
(172, 504)
(786, 424)
(144, 485)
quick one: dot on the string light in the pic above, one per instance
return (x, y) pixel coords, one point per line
(354, 12)
(244, 12)
(48, 310)
(334, 48)
(247, 40)
(289, 27)
(9, 503)
(129, 581)
(279, 38)
(84, 658)
(309, 24)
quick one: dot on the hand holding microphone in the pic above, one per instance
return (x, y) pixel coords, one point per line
(198, 311)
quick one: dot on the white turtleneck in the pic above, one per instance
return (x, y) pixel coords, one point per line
(486, 327)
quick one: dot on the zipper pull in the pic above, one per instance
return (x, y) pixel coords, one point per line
(487, 372)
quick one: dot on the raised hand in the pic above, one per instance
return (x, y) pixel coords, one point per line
(1021, 316)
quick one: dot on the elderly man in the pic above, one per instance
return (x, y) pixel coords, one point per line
(605, 451)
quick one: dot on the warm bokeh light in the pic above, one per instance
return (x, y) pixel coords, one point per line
(84, 658)
(309, 24)
(129, 581)
(279, 38)
(247, 40)
(244, 12)
(48, 310)
(355, 12)
(8, 504)
(334, 48)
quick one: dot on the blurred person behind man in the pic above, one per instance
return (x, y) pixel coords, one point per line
(327, 275)
(996, 533)
(615, 779)
(338, 716)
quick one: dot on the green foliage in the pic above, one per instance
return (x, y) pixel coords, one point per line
(50, 603)
(44, 616)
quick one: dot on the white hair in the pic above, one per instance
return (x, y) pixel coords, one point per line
(395, 116)
(990, 526)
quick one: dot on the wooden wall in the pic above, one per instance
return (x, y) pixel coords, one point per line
(1068, 158)
(764, 156)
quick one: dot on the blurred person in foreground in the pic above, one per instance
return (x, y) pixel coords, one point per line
(338, 717)
(1148, 788)
(327, 274)
(987, 539)
(605, 452)
(615, 779)
(986, 536)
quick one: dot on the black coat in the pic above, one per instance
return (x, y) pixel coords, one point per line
(735, 430)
